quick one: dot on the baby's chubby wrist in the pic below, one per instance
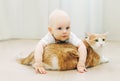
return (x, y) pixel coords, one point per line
(37, 64)
(81, 64)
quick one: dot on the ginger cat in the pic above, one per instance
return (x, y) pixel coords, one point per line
(64, 56)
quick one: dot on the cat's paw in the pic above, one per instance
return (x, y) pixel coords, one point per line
(104, 60)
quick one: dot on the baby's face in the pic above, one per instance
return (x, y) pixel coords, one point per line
(61, 29)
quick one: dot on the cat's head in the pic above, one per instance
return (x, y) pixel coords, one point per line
(96, 40)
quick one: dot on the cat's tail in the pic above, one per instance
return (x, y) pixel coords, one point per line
(25, 59)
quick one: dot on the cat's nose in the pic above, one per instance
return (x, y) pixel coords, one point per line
(101, 45)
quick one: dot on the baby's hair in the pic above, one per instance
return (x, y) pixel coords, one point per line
(56, 14)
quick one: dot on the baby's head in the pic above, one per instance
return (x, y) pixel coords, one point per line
(59, 25)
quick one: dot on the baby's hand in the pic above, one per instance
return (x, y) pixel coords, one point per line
(81, 68)
(39, 69)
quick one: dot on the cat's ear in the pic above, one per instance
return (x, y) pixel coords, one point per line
(106, 33)
(88, 34)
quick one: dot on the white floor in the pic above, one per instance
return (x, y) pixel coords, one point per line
(10, 70)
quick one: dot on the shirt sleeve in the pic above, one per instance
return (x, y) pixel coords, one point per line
(74, 39)
(48, 38)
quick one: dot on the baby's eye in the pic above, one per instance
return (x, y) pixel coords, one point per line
(96, 40)
(59, 28)
(68, 28)
(103, 39)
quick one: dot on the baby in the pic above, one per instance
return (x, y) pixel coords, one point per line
(59, 32)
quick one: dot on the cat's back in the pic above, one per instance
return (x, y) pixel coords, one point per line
(59, 56)
(60, 46)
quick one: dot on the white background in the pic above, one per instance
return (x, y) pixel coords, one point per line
(29, 18)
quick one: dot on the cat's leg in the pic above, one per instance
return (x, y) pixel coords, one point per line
(46, 66)
(53, 64)
(104, 59)
(25, 58)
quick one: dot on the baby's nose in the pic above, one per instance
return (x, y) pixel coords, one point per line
(64, 31)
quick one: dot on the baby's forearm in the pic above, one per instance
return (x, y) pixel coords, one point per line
(38, 54)
(82, 54)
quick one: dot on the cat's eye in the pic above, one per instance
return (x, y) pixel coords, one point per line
(96, 40)
(59, 28)
(103, 39)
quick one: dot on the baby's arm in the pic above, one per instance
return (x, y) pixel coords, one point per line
(38, 65)
(82, 57)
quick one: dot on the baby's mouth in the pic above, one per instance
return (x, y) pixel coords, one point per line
(64, 36)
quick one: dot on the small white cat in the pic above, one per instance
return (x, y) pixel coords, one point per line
(97, 42)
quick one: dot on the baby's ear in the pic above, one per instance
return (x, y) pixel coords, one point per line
(50, 29)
